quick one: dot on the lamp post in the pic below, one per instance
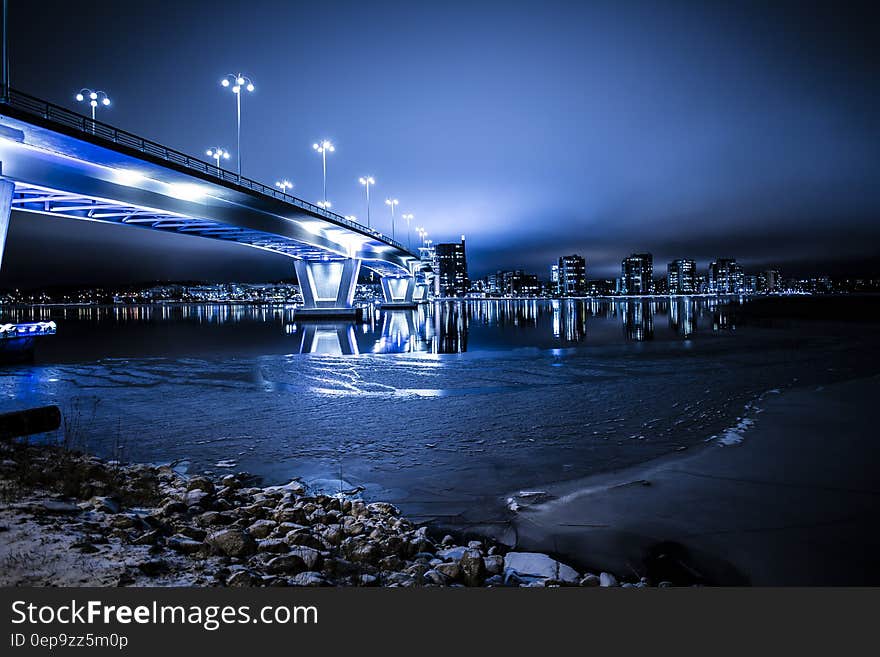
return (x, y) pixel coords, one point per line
(325, 205)
(284, 185)
(391, 202)
(323, 148)
(217, 153)
(409, 217)
(366, 181)
(93, 98)
(236, 81)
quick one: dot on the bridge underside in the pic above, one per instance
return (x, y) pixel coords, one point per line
(57, 203)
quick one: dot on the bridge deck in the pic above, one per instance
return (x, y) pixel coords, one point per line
(65, 164)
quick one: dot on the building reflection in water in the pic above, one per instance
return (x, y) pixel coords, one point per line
(441, 327)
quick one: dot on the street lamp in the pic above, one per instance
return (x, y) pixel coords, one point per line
(323, 148)
(366, 181)
(284, 185)
(236, 82)
(391, 202)
(325, 204)
(409, 218)
(217, 153)
(93, 98)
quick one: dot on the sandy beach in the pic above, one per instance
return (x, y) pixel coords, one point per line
(791, 498)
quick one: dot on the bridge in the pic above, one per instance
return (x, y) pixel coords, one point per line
(56, 162)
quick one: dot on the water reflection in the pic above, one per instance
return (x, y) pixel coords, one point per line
(443, 327)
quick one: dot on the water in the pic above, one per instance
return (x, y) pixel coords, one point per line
(442, 410)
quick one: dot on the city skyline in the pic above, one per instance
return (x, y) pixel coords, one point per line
(726, 159)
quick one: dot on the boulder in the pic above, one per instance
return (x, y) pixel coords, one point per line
(473, 569)
(232, 542)
(535, 565)
(310, 556)
(286, 564)
(261, 528)
(607, 580)
(590, 580)
(308, 578)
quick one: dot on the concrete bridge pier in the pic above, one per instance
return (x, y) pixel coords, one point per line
(7, 187)
(398, 292)
(327, 288)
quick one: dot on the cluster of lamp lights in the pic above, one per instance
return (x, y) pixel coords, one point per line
(237, 83)
(94, 99)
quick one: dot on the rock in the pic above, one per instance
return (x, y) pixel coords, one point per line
(473, 569)
(105, 504)
(184, 544)
(124, 521)
(451, 570)
(435, 577)
(495, 580)
(308, 578)
(360, 551)
(607, 580)
(261, 528)
(383, 508)
(453, 553)
(494, 564)
(242, 578)
(286, 564)
(147, 538)
(475, 545)
(665, 584)
(85, 547)
(365, 579)
(172, 507)
(57, 506)
(310, 556)
(540, 566)
(200, 483)
(274, 545)
(153, 567)
(196, 497)
(214, 519)
(232, 542)
(590, 580)
(447, 540)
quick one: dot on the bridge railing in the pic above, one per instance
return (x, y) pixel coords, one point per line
(70, 119)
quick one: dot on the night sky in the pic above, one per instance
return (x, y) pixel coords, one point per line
(688, 129)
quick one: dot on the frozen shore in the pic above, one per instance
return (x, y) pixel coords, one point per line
(788, 496)
(69, 519)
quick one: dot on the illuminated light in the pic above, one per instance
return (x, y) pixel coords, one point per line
(80, 97)
(106, 101)
(93, 103)
(185, 191)
(128, 177)
(240, 80)
(250, 87)
(236, 89)
(224, 82)
(93, 96)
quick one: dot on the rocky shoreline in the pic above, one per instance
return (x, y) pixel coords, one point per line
(70, 519)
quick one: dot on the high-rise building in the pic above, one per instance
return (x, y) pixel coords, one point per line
(769, 281)
(725, 276)
(637, 274)
(681, 276)
(451, 278)
(571, 276)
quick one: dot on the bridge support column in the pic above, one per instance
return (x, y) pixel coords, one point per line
(6, 189)
(328, 288)
(398, 292)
